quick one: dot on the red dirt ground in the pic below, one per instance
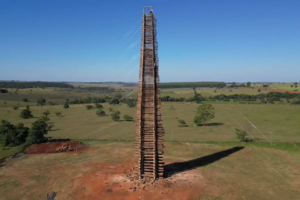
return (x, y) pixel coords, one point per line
(283, 91)
(51, 147)
(115, 182)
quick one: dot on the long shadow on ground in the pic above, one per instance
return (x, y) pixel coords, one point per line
(178, 167)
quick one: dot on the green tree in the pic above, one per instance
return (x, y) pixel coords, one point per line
(248, 84)
(89, 107)
(11, 135)
(100, 113)
(66, 105)
(127, 118)
(41, 102)
(98, 106)
(37, 132)
(15, 107)
(58, 114)
(259, 90)
(204, 113)
(26, 113)
(46, 113)
(116, 115)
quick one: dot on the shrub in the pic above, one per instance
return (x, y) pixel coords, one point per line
(98, 106)
(25, 99)
(127, 118)
(242, 136)
(89, 107)
(182, 123)
(115, 115)
(100, 113)
(44, 118)
(263, 101)
(295, 102)
(16, 107)
(58, 114)
(66, 105)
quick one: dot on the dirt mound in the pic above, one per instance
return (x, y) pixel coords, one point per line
(52, 147)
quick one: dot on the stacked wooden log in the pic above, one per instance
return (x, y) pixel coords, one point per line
(149, 131)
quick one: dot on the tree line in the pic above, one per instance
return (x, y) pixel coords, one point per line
(33, 84)
(103, 89)
(192, 85)
(271, 97)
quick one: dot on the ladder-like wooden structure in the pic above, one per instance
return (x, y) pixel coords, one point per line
(149, 131)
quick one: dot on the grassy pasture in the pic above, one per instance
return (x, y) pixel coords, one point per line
(279, 122)
(281, 86)
(206, 92)
(54, 95)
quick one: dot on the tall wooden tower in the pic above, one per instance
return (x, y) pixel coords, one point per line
(149, 131)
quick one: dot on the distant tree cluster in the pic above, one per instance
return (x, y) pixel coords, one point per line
(12, 135)
(3, 90)
(271, 97)
(33, 84)
(168, 98)
(234, 85)
(192, 85)
(89, 99)
(102, 89)
(130, 84)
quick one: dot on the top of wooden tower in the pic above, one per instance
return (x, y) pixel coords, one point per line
(148, 9)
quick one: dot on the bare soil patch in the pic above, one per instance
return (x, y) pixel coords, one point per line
(116, 182)
(283, 91)
(52, 147)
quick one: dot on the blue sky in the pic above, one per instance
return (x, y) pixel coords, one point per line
(200, 40)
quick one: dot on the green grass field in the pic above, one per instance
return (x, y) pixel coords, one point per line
(279, 122)
(280, 86)
(206, 92)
